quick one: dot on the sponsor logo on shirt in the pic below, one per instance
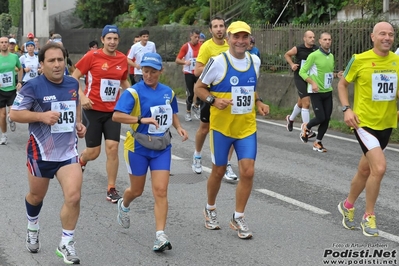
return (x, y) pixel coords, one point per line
(104, 66)
(49, 98)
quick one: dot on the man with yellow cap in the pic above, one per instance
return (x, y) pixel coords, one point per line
(232, 77)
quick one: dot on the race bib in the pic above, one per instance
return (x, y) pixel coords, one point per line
(243, 99)
(384, 86)
(192, 64)
(163, 114)
(109, 89)
(66, 121)
(6, 79)
(328, 79)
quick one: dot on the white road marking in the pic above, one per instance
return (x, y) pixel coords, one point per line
(293, 201)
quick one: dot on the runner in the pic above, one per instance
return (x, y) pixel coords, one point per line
(50, 104)
(106, 71)
(375, 75)
(232, 77)
(150, 108)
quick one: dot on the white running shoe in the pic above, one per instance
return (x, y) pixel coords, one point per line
(197, 166)
(3, 139)
(187, 117)
(230, 176)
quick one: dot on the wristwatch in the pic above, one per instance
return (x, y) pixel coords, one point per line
(345, 108)
(139, 119)
(258, 99)
(210, 99)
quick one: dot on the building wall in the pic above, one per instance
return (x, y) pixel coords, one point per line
(35, 18)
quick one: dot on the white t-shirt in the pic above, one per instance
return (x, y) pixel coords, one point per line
(138, 50)
(214, 70)
(31, 62)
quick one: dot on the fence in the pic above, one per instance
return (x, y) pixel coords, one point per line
(273, 42)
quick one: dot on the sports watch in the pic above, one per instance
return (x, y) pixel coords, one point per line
(210, 99)
(345, 108)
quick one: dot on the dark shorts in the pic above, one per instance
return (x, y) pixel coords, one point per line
(301, 86)
(98, 123)
(7, 98)
(45, 168)
(138, 78)
(369, 138)
(205, 112)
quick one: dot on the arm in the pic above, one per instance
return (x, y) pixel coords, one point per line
(176, 123)
(262, 108)
(125, 84)
(85, 102)
(133, 64)
(350, 118)
(288, 57)
(199, 67)
(180, 57)
(27, 116)
(124, 118)
(80, 128)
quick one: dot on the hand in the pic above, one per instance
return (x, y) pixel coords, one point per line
(19, 86)
(263, 109)
(351, 119)
(340, 74)
(315, 88)
(138, 67)
(294, 67)
(182, 133)
(86, 103)
(221, 103)
(149, 120)
(50, 117)
(80, 130)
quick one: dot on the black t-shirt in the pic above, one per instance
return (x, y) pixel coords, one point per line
(302, 53)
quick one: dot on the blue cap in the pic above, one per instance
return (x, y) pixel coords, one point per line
(110, 29)
(29, 43)
(153, 60)
(202, 36)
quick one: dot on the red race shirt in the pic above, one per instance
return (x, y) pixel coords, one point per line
(103, 76)
(189, 53)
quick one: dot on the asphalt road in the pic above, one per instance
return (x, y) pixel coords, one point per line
(292, 210)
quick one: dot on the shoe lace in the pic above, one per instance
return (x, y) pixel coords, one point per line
(197, 161)
(212, 215)
(371, 222)
(241, 223)
(33, 237)
(350, 214)
(70, 248)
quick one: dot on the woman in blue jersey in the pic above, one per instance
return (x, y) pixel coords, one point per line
(151, 109)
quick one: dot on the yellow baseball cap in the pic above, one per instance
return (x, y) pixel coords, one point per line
(239, 26)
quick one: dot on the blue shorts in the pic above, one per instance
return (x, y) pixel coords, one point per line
(46, 168)
(138, 164)
(245, 148)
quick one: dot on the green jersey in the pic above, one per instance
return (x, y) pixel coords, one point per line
(319, 66)
(7, 71)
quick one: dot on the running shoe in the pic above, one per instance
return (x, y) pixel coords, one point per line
(290, 124)
(240, 225)
(12, 124)
(112, 195)
(304, 135)
(311, 134)
(188, 117)
(82, 164)
(211, 221)
(32, 241)
(369, 226)
(197, 166)
(123, 216)
(68, 253)
(162, 243)
(230, 176)
(3, 139)
(196, 111)
(347, 216)
(317, 146)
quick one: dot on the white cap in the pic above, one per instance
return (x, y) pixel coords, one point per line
(12, 40)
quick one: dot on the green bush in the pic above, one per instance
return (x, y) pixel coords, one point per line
(5, 24)
(190, 16)
(15, 11)
(178, 14)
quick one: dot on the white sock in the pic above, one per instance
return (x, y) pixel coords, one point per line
(158, 233)
(67, 236)
(305, 115)
(197, 153)
(33, 222)
(210, 207)
(238, 214)
(295, 112)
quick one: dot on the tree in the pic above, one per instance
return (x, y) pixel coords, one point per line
(97, 13)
